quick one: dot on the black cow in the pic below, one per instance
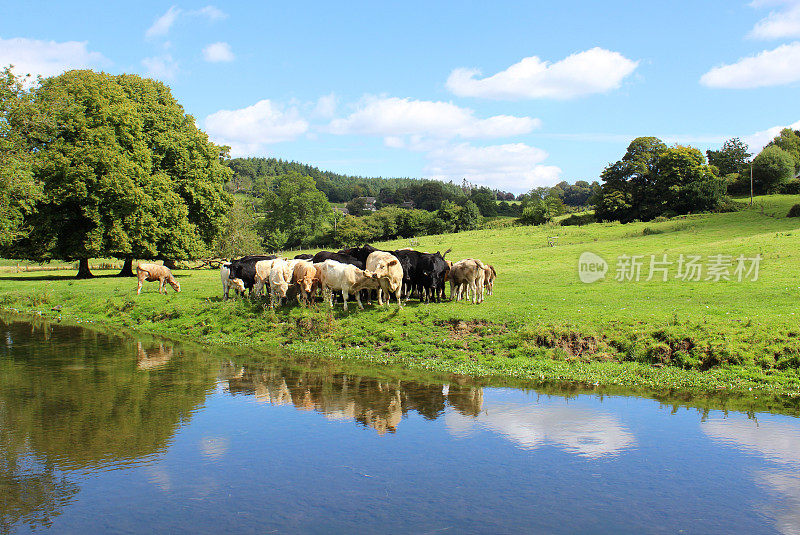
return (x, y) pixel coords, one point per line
(245, 269)
(339, 257)
(423, 273)
(360, 253)
(304, 256)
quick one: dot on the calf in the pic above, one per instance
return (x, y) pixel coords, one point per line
(262, 268)
(228, 282)
(467, 276)
(245, 269)
(346, 278)
(390, 275)
(491, 274)
(155, 272)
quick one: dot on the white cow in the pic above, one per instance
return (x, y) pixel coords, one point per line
(390, 275)
(345, 278)
(280, 276)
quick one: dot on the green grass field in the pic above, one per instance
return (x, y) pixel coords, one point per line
(542, 322)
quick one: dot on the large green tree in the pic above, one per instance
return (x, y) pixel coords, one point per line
(733, 157)
(772, 167)
(789, 140)
(19, 191)
(294, 211)
(125, 173)
(652, 179)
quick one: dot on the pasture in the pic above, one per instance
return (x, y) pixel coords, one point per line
(542, 322)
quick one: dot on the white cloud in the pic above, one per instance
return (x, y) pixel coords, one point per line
(249, 130)
(578, 431)
(514, 167)
(325, 107)
(211, 13)
(161, 67)
(47, 58)
(759, 140)
(218, 52)
(580, 74)
(781, 24)
(163, 23)
(395, 117)
(769, 68)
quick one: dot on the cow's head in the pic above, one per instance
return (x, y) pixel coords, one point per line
(238, 285)
(370, 274)
(175, 284)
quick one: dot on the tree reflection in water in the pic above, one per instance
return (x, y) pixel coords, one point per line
(73, 398)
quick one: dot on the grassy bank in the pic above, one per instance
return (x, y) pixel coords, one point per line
(542, 322)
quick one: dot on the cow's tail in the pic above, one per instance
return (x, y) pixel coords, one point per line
(447, 251)
(480, 264)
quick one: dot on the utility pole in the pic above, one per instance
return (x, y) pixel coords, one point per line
(751, 183)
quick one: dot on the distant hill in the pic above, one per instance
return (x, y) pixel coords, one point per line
(249, 172)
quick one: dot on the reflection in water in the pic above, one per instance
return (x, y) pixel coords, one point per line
(374, 403)
(778, 442)
(581, 431)
(148, 358)
(73, 398)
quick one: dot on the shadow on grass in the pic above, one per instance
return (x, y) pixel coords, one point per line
(61, 277)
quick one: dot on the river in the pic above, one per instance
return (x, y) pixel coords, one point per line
(105, 432)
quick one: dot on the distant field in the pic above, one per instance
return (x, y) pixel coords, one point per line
(542, 321)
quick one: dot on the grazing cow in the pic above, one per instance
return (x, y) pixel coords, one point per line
(322, 256)
(280, 275)
(305, 277)
(346, 278)
(491, 274)
(155, 272)
(245, 269)
(304, 256)
(466, 276)
(390, 275)
(228, 282)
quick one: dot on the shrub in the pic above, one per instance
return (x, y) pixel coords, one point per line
(575, 219)
(794, 211)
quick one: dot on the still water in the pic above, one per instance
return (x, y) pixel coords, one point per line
(104, 433)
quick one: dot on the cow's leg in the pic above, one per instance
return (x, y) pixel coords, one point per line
(139, 287)
(161, 286)
(358, 300)
(345, 295)
(397, 296)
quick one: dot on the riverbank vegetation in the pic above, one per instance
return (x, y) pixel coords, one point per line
(542, 321)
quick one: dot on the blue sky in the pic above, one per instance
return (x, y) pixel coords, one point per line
(509, 94)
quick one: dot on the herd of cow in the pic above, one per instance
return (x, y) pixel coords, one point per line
(402, 273)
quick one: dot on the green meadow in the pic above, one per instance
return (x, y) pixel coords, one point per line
(542, 322)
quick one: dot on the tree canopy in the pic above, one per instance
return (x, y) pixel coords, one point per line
(124, 172)
(294, 211)
(772, 167)
(652, 179)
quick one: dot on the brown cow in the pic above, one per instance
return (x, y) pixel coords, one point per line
(491, 274)
(305, 277)
(156, 272)
(466, 277)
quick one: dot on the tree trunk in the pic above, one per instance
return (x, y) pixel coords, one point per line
(168, 263)
(127, 268)
(83, 269)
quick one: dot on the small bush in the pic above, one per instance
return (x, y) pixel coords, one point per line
(794, 211)
(575, 219)
(648, 231)
(791, 187)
